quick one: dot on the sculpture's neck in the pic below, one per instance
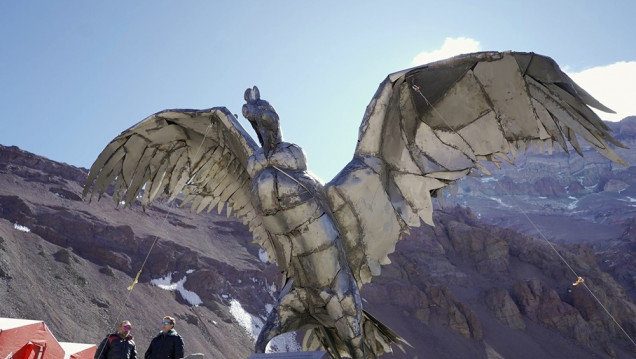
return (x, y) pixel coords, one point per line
(287, 156)
(272, 138)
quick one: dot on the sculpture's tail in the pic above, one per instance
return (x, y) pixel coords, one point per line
(377, 339)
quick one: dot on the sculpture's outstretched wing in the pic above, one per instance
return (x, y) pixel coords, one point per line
(431, 125)
(200, 153)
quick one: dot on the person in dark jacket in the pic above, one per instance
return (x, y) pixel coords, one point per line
(168, 344)
(119, 345)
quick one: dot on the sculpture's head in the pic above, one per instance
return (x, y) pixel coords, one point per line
(263, 118)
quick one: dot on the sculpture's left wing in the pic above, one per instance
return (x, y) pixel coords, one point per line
(431, 125)
(200, 153)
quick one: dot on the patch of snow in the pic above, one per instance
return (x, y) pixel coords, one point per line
(487, 179)
(262, 255)
(245, 319)
(252, 324)
(166, 283)
(498, 200)
(190, 271)
(574, 203)
(190, 296)
(630, 199)
(21, 228)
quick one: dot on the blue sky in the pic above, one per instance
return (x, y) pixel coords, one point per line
(74, 74)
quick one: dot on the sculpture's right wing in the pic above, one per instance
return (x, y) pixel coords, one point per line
(200, 153)
(429, 126)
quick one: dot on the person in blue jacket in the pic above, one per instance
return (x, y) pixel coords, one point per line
(168, 344)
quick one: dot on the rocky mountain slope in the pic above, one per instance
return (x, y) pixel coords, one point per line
(567, 199)
(461, 289)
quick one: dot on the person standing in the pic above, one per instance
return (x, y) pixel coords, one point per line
(168, 344)
(119, 345)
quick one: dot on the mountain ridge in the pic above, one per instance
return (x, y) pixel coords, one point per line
(464, 288)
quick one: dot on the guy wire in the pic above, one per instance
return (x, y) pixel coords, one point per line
(417, 89)
(130, 288)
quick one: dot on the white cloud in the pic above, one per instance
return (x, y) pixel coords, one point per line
(613, 85)
(451, 47)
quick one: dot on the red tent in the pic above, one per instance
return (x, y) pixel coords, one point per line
(27, 339)
(78, 350)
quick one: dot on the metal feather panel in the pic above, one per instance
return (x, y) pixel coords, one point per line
(505, 88)
(377, 225)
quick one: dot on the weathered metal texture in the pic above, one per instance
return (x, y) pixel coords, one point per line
(424, 128)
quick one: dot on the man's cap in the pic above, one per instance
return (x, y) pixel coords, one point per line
(125, 322)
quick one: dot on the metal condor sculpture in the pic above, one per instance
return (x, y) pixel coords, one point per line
(424, 128)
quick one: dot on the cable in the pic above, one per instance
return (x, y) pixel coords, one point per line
(579, 278)
(130, 287)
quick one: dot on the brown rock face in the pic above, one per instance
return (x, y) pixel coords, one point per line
(583, 321)
(575, 188)
(488, 253)
(505, 309)
(614, 185)
(543, 186)
(460, 317)
(544, 305)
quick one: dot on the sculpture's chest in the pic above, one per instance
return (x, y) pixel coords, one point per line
(277, 192)
(292, 206)
(304, 236)
(280, 181)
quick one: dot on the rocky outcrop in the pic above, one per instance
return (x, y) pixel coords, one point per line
(583, 320)
(504, 308)
(626, 129)
(543, 187)
(567, 199)
(614, 185)
(543, 305)
(487, 252)
(36, 168)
